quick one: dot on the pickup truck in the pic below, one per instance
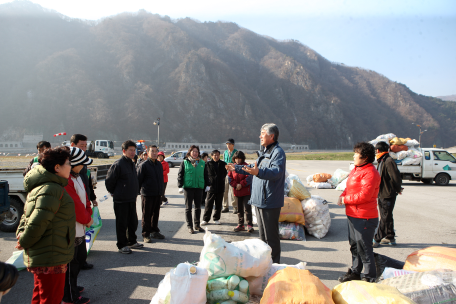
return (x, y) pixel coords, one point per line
(436, 165)
(17, 195)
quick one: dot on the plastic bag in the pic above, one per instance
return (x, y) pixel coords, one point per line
(338, 176)
(185, 285)
(402, 154)
(321, 177)
(387, 137)
(298, 191)
(421, 280)
(342, 185)
(92, 231)
(393, 155)
(431, 258)
(291, 231)
(361, 292)
(399, 141)
(412, 142)
(17, 260)
(163, 293)
(408, 161)
(393, 272)
(439, 294)
(291, 211)
(321, 185)
(248, 258)
(257, 285)
(291, 285)
(317, 216)
(397, 148)
(309, 179)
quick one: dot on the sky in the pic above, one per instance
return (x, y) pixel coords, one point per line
(409, 41)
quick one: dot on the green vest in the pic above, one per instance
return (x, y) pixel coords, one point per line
(194, 176)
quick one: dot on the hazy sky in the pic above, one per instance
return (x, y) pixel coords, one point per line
(411, 42)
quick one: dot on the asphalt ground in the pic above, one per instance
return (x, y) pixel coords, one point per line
(424, 216)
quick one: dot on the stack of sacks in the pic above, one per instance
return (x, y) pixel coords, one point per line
(384, 137)
(402, 150)
(295, 188)
(291, 220)
(319, 181)
(291, 231)
(414, 157)
(258, 284)
(317, 216)
(338, 177)
(231, 289)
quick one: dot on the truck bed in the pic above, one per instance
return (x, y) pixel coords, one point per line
(409, 169)
(14, 177)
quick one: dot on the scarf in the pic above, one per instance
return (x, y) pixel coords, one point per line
(379, 155)
(74, 174)
(193, 161)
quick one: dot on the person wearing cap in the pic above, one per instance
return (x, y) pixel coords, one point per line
(122, 182)
(76, 189)
(150, 180)
(228, 194)
(165, 165)
(267, 186)
(46, 231)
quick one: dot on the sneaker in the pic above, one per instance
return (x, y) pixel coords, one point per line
(349, 276)
(165, 202)
(136, 246)
(190, 230)
(147, 239)
(158, 235)
(239, 228)
(126, 249)
(225, 210)
(79, 300)
(217, 222)
(86, 266)
(250, 228)
(386, 241)
(80, 289)
(235, 211)
(199, 229)
(368, 280)
(203, 223)
(375, 244)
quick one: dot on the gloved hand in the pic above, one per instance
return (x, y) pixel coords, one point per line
(207, 188)
(181, 190)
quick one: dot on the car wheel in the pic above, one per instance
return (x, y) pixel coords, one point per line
(100, 155)
(427, 181)
(171, 165)
(442, 179)
(12, 220)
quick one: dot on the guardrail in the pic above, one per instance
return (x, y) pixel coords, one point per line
(102, 171)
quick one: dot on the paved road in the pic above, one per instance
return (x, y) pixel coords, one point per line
(424, 216)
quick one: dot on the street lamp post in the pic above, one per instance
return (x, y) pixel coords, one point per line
(157, 123)
(419, 138)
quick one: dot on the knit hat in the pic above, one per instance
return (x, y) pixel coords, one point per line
(78, 157)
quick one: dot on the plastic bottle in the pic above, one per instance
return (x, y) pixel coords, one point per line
(233, 281)
(217, 284)
(218, 295)
(244, 286)
(103, 198)
(238, 296)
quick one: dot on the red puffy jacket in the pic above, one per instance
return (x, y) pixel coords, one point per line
(165, 171)
(244, 180)
(360, 196)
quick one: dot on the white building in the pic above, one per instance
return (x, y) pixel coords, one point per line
(174, 146)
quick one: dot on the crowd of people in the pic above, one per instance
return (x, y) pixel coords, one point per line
(61, 197)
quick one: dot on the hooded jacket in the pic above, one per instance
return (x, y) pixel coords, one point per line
(360, 195)
(268, 185)
(47, 226)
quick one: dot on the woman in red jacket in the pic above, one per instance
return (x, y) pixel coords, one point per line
(76, 189)
(241, 184)
(161, 158)
(360, 200)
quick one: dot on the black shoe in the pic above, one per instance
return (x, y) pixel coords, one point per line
(81, 289)
(87, 266)
(158, 235)
(199, 229)
(350, 276)
(225, 210)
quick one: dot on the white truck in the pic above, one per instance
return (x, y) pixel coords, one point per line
(100, 148)
(17, 195)
(436, 165)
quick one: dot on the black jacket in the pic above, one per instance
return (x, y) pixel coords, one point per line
(150, 178)
(87, 180)
(122, 181)
(216, 173)
(391, 181)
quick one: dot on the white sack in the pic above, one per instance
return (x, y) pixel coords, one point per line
(317, 216)
(411, 143)
(342, 185)
(320, 185)
(185, 286)
(248, 258)
(338, 176)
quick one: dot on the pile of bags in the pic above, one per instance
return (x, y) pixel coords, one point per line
(317, 216)
(402, 150)
(328, 181)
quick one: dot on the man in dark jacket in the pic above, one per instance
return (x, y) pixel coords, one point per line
(267, 187)
(8, 277)
(151, 185)
(122, 183)
(216, 173)
(390, 186)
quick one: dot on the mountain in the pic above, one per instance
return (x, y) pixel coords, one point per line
(206, 81)
(448, 97)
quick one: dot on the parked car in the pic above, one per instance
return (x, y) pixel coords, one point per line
(177, 158)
